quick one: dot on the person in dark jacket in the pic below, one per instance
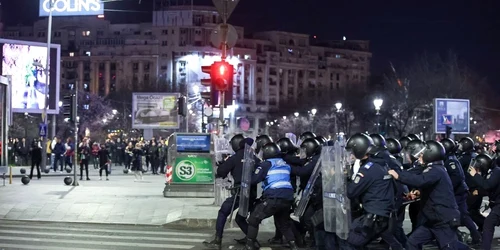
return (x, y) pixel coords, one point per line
(137, 161)
(84, 152)
(154, 157)
(104, 161)
(36, 158)
(58, 152)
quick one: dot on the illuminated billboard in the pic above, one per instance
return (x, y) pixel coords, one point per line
(155, 111)
(72, 8)
(454, 113)
(25, 62)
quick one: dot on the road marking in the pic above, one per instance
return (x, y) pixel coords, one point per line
(86, 242)
(191, 240)
(16, 246)
(136, 231)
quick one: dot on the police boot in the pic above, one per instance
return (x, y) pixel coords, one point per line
(216, 243)
(242, 241)
(276, 241)
(251, 245)
(292, 245)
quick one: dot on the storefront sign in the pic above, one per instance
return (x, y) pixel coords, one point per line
(72, 7)
(193, 169)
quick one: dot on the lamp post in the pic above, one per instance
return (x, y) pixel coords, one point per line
(313, 113)
(47, 79)
(378, 104)
(338, 106)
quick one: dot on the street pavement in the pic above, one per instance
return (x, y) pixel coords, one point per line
(16, 171)
(44, 208)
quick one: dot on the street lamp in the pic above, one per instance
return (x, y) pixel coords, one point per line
(284, 117)
(378, 104)
(296, 114)
(314, 111)
(60, 104)
(338, 105)
(114, 111)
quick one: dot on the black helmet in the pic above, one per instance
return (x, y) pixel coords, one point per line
(271, 150)
(497, 146)
(236, 142)
(360, 144)
(404, 141)
(415, 148)
(466, 144)
(322, 140)
(393, 146)
(379, 142)
(434, 151)
(311, 146)
(307, 135)
(413, 137)
(286, 145)
(449, 145)
(262, 140)
(483, 162)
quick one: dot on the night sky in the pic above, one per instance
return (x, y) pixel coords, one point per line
(397, 30)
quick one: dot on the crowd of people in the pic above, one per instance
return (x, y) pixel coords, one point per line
(443, 182)
(135, 154)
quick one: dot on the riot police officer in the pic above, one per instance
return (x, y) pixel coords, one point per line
(233, 165)
(307, 135)
(460, 189)
(413, 150)
(277, 197)
(440, 214)
(466, 153)
(375, 190)
(394, 147)
(487, 176)
(260, 141)
(310, 150)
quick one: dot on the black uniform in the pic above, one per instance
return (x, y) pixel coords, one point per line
(233, 165)
(491, 184)
(440, 215)
(376, 192)
(460, 189)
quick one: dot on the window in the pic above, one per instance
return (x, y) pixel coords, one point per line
(72, 33)
(57, 34)
(164, 43)
(135, 66)
(117, 33)
(41, 34)
(86, 33)
(100, 33)
(87, 53)
(164, 32)
(137, 32)
(71, 54)
(337, 56)
(338, 77)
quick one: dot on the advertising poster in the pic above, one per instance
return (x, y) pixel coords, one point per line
(26, 63)
(72, 8)
(454, 113)
(193, 169)
(155, 111)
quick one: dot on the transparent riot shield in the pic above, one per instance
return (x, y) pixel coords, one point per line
(222, 148)
(292, 138)
(336, 206)
(246, 180)
(406, 157)
(306, 194)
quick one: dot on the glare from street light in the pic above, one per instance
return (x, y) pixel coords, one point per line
(60, 103)
(114, 111)
(314, 111)
(196, 89)
(267, 123)
(338, 105)
(104, 120)
(284, 117)
(296, 114)
(189, 106)
(378, 103)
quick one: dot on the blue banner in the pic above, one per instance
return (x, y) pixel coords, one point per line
(193, 143)
(42, 128)
(454, 113)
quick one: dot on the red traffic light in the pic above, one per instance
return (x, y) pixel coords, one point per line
(221, 75)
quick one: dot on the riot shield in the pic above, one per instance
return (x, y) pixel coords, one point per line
(292, 138)
(336, 206)
(306, 194)
(406, 156)
(246, 180)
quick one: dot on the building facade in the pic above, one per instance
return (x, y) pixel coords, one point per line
(273, 67)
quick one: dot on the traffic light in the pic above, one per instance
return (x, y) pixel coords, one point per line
(69, 107)
(221, 79)
(182, 105)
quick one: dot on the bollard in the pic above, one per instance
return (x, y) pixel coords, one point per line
(10, 174)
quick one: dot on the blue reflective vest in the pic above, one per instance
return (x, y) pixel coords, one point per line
(278, 176)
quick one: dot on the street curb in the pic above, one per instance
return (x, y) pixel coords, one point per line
(192, 223)
(87, 223)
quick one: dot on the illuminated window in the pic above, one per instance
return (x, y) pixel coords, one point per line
(86, 33)
(87, 53)
(71, 54)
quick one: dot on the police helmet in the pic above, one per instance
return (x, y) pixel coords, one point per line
(322, 140)
(307, 135)
(286, 145)
(379, 142)
(311, 146)
(434, 151)
(359, 144)
(393, 146)
(497, 146)
(483, 162)
(404, 141)
(271, 150)
(413, 137)
(449, 145)
(236, 142)
(262, 140)
(415, 148)
(466, 144)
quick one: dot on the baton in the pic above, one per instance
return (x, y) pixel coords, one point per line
(234, 202)
(409, 202)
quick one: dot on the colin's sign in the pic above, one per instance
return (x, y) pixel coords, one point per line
(72, 7)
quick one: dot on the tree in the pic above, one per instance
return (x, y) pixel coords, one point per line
(409, 93)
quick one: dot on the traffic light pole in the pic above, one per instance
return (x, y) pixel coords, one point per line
(221, 113)
(75, 119)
